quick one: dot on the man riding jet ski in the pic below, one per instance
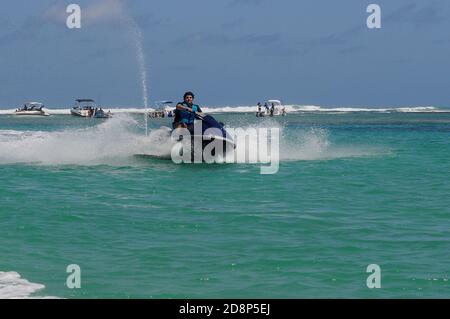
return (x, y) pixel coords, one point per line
(189, 116)
(185, 112)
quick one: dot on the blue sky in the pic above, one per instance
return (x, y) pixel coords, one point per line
(229, 52)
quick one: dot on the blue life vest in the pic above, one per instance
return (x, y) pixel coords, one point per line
(186, 116)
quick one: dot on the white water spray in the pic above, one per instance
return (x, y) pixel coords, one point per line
(140, 56)
(138, 39)
(138, 42)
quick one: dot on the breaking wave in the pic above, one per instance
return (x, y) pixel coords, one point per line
(252, 109)
(13, 286)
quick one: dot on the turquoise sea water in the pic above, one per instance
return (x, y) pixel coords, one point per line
(353, 189)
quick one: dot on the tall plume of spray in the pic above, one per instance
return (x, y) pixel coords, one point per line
(110, 11)
(138, 43)
(118, 8)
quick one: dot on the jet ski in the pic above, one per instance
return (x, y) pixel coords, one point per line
(205, 131)
(212, 131)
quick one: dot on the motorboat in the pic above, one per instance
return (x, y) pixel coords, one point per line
(32, 108)
(83, 108)
(161, 110)
(88, 108)
(272, 108)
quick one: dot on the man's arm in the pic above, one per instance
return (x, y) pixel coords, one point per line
(183, 108)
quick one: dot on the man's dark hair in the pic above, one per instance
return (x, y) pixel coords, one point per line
(188, 94)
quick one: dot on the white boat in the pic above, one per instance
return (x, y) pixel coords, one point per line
(88, 108)
(274, 108)
(161, 110)
(32, 108)
(83, 108)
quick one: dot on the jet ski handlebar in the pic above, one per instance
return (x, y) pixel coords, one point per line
(198, 116)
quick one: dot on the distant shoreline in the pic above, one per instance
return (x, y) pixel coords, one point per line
(253, 109)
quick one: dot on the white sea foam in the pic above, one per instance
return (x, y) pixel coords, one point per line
(106, 143)
(115, 141)
(308, 145)
(315, 144)
(252, 109)
(56, 111)
(315, 108)
(12, 286)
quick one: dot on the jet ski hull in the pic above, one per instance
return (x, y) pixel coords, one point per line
(214, 143)
(200, 149)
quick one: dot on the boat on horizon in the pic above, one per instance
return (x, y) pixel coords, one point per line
(272, 108)
(88, 108)
(163, 109)
(32, 109)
